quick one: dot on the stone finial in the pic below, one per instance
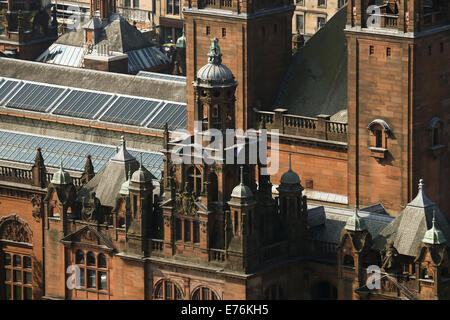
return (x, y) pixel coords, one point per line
(215, 54)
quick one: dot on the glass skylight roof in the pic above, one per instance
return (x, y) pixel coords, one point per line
(19, 147)
(86, 104)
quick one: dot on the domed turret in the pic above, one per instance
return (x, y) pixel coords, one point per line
(142, 175)
(241, 191)
(61, 177)
(215, 74)
(290, 179)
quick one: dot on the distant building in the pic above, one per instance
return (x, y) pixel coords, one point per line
(25, 28)
(311, 15)
(106, 42)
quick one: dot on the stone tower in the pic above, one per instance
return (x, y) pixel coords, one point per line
(398, 100)
(255, 38)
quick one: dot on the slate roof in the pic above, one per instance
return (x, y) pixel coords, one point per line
(327, 222)
(114, 33)
(93, 80)
(407, 230)
(107, 183)
(316, 81)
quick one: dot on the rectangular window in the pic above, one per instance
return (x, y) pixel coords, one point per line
(224, 32)
(127, 3)
(136, 4)
(320, 22)
(173, 7)
(321, 3)
(378, 138)
(371, 50)
(196, 232)
(388, 52)
(341, 3)
(300, 22)
(187, 231)
(178, 235)
(300, 2)
(436, 141)
(208, 30)
(16, 275)
(91, 281)
(102, 280)
(236, 222)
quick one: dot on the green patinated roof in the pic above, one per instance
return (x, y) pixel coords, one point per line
(61, 177)
(355, 223)
(434, 235)
(316, 81)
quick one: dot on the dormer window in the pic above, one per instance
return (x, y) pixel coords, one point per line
(379, 133)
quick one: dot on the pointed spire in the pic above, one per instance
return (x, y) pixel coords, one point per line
(88, 166)
(355, 223)
(421, 200)
(242, 175)
(434, 235)
(88, 173)
(38, 170)
(38, 160)
(122, 154)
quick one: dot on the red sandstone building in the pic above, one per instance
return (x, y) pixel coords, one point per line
(364, 120)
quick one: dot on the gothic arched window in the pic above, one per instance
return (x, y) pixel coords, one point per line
(167, 290)
(204, 293)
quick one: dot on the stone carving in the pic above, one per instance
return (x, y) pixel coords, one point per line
(36, 202)
(13, 230)
(185, 202)
(88, 236)
(389, 257)
(91, 210)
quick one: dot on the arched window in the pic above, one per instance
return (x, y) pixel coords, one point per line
(435, 129)
(101, 261)
(379, 134)
(167, 290)
(348, 261)
(204, 293)
(79, 257)
(93, 270)
(91, 259)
